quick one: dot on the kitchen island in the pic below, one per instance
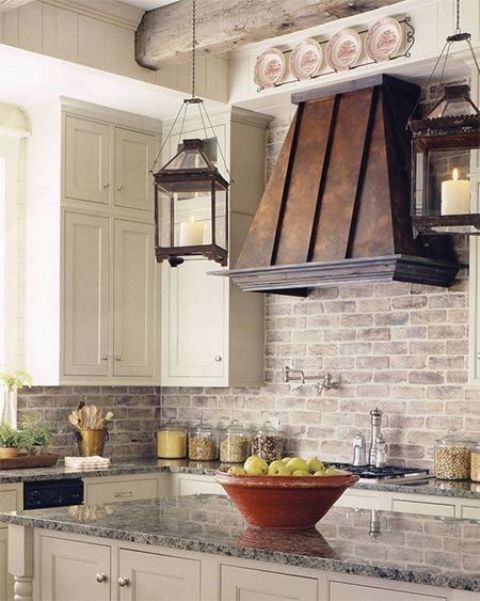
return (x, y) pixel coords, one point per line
(199, 548)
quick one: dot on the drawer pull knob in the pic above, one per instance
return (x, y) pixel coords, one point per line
(123, 582)
(104, 357)
(118, 358)
(101, 578)
(119, 188)
(107, 185)
(218, 358)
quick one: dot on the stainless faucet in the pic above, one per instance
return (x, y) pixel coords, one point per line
(324, 382)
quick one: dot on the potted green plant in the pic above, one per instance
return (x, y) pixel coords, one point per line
(11, 441)
(35, 435)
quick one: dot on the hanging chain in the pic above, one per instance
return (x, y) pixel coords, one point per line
(194, 43)
(458, 29)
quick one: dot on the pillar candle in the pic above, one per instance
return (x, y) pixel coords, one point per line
(455, 195)
(191, 233)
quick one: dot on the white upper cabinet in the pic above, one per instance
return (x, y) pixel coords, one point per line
(134, 156)
(86, 285)
(134, 300)
(196, 305)
(87, 160)
(212, 333)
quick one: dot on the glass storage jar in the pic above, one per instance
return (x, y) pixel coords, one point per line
(475, 463)
(452, 459)
(267, 443)
(172, 441)
(203, 443)
(234, 443)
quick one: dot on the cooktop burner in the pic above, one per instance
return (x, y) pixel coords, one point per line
(388, 473)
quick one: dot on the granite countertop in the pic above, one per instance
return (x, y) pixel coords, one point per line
(460, 489)
(394, 546)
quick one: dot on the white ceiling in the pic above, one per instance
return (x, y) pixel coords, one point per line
(148, 4)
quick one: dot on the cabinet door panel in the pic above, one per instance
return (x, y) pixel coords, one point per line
(6, 581)
(69, 569)
(134, 295)
(341, 591)
(439, 509)
(86, 284)
(194, 323)
(87, 160)
(134, 156)
(242, 584)
(158, 577)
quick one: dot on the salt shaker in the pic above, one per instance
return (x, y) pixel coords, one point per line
(359, 450)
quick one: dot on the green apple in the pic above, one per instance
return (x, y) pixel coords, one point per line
(300, 473)
(236, 470)
(255, 466)
(278, 468)
(285, 459)
(297, 464)
(331, 471)
(315, 465)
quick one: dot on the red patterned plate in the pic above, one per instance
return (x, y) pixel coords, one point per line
(344, 50)
(384, 39)
(306, 59)
(270, 68)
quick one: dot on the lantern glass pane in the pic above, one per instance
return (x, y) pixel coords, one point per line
(452, 107)
(192, 213)
(165, 206)
(221, 217)
(442, 182)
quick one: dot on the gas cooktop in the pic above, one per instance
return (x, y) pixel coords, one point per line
(389, 473)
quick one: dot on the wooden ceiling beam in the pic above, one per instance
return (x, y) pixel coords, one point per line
(10, 4)
(164, 35)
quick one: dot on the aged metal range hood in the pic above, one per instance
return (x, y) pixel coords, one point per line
(337, 206)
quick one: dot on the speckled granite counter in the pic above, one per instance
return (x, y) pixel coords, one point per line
(394, 546)
(426, 487)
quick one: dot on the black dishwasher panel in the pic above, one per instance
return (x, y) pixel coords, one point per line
(52, 493)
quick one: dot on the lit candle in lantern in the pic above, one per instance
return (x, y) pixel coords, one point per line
(191, 233)
(455, 195)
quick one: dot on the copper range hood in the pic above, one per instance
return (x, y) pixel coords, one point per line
(337, 206)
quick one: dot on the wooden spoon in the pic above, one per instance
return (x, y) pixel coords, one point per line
(73, 420)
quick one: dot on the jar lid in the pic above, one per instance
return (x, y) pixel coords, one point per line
(235, 427)
(268, 429)
(172, 425)
(204, 428)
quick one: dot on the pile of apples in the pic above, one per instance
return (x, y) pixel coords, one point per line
(288, 466)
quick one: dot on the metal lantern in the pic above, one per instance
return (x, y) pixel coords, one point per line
(191, 207)
(443, 146)
(443, 143)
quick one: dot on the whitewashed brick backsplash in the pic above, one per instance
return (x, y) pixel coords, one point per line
(401, 347)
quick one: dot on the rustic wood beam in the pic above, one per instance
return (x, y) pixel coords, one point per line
(164, 35)
(10, 4)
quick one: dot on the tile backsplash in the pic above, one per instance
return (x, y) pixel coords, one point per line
(136, 416)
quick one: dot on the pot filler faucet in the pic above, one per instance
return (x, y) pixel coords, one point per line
(324, 382)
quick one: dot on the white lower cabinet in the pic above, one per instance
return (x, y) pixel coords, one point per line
(440, 509)
(241, 584)
(72, 570)
(10, 500)
(187, 484)
(121, 488)
(150, 577)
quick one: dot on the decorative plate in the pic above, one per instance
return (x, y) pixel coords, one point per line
(344, 50)
(306, 59)
(270, 68)
(384, 39)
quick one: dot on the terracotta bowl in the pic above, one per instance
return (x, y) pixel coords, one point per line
(285, 502)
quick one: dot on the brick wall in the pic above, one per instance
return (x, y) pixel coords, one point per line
(136, 416)
(400, 347)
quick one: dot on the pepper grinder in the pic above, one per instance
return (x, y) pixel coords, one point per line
(375, 433)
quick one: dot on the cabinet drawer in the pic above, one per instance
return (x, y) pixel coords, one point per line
(188, 485)
(257, 585)
(126, 490)
(361, 500)
(342, 591)
(440, 509)
(470, 513)
(9, 500)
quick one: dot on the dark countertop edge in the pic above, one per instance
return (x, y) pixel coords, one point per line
(385, 572)
(209, 470)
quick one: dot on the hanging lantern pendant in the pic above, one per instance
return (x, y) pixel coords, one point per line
(443, 143)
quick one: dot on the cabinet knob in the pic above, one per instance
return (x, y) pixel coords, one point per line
(101, 578)
(104, 357)
(123, 582)
(118, 358)
(119, 188)
(107, 185)
(218, 358)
